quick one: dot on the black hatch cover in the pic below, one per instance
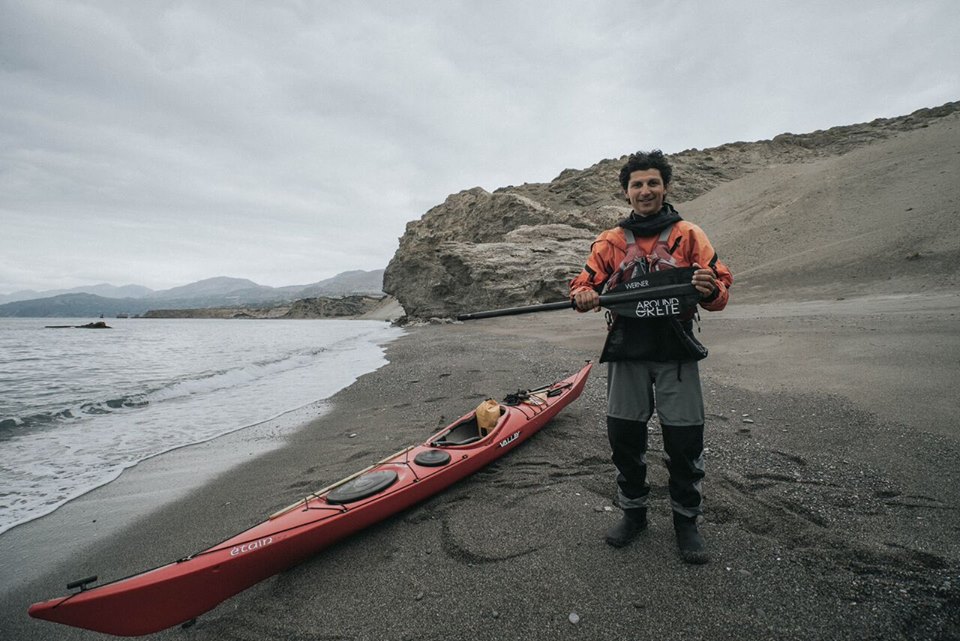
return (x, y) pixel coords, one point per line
(362, 487)
(432, 458)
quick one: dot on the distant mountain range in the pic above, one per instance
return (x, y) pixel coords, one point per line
(103, 289)
(108, 300)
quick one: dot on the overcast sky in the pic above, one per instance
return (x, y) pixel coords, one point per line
(160, 143)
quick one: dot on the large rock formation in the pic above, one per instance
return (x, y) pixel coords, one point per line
(522, 244)
(481, 250)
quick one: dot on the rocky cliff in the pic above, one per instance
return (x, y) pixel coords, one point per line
(318, 307)
(522, 244)
(322, 307)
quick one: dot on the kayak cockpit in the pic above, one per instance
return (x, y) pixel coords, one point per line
(465, 432)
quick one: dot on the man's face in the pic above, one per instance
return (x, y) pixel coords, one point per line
(646, 191)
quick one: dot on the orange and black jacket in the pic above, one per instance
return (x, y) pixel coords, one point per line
(687, 244)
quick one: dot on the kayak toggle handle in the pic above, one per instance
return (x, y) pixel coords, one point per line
(81, 583)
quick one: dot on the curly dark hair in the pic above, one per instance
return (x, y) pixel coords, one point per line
(646, 160)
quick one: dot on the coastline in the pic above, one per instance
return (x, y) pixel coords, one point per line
(824, 515)
(80, 410)
(115, 505)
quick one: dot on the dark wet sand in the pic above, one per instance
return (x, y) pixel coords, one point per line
(832, 496)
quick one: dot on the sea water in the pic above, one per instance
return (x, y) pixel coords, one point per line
(78, 406)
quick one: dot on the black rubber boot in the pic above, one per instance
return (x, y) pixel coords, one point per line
(628, 441)
(628, 528)
(692, 547)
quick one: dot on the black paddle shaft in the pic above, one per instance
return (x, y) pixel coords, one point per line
(606, 300)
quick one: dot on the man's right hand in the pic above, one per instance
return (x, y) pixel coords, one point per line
(586, 300)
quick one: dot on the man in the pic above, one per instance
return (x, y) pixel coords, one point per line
(653, 361)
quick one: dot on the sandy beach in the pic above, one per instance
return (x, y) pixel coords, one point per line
(832, 495)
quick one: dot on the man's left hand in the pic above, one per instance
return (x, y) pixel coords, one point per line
(704, 280)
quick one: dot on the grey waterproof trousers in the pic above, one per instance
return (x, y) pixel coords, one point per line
(634, 390)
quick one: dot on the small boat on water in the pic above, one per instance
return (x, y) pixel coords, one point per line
(179, 592)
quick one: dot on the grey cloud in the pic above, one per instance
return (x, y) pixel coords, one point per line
(166, 142)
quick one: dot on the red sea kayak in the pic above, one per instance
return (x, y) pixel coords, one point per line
(179, 592)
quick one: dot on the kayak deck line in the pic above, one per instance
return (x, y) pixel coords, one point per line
(319, 493)
(337, 508)
(181, 591)
(536, 409)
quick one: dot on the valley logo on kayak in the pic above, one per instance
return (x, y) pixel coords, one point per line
(250, 547)
(510, 439)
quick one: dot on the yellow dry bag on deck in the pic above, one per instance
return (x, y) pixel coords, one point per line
(488, 413)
